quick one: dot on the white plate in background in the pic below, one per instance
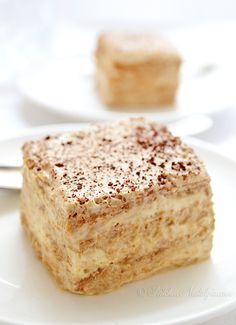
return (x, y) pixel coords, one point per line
(28, 295)
(66, 86)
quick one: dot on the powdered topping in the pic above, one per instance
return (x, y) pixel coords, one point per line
(112, 158)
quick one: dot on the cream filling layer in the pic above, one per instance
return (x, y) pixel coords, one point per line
(167, 205)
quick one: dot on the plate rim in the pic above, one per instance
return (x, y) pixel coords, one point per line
(106, 114)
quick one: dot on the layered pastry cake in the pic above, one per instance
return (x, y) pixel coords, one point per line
(136, 70)
(114, 203)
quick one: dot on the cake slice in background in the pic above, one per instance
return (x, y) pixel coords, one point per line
(136, 70)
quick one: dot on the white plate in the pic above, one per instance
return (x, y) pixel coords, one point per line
(28, 295)
(66, 86)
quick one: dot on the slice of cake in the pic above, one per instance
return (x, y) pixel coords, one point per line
(136, 70)
(114, 203)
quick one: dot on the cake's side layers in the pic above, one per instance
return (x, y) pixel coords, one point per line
(110, 278)
(83, 261)
(151, 83)
(136, 70)
(135, 93)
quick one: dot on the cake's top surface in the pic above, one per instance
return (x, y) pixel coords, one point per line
(133, 48)
(112, 159)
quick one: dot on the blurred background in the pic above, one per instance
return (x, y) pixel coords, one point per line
(34, 32)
